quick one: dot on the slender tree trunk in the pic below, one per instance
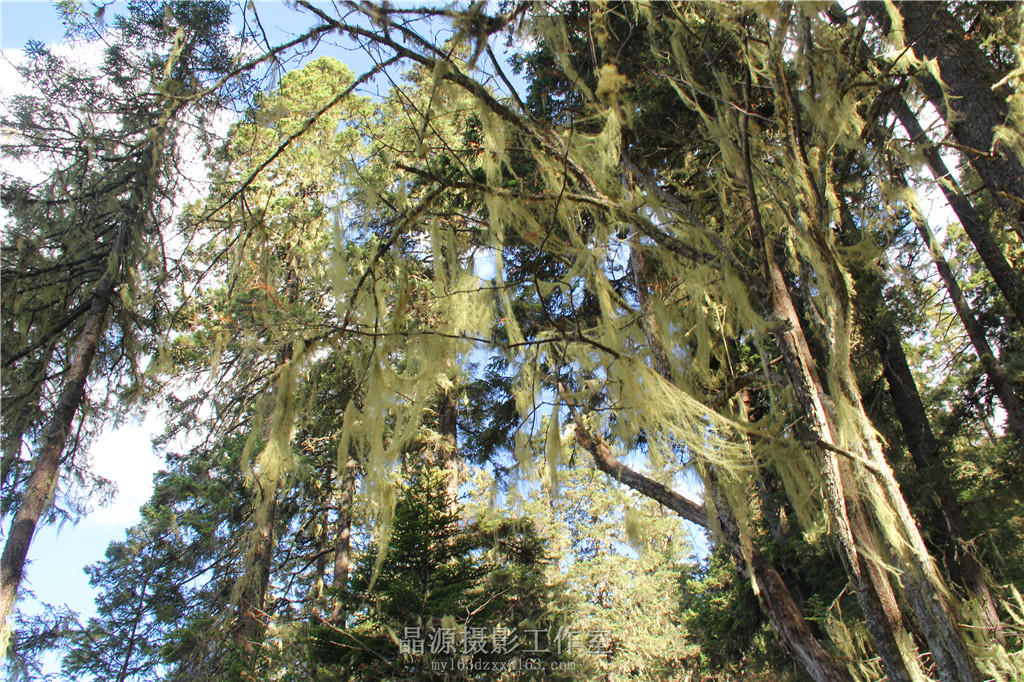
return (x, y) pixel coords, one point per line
(783, 612)
(252, 601)
(448, 453)
(1005, 277)
(42, 483)
(343, 534)
(993, 368)
(322, 538)
(248, 632)
(972, 110)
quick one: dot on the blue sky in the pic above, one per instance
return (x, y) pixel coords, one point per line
(20, 21)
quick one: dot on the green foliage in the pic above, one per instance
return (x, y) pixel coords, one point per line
(163, 589)
(686, 239)
(622, 557)
(439, 576)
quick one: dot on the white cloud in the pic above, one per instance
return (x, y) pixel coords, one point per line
(125, 456)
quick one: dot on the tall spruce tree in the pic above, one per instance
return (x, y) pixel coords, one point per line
(86, 258)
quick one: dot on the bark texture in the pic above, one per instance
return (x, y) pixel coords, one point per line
(1009, 282)
(343, 533)
(42, 483)
(924, 451)
(923, 447)
(448, 452)
(972, 109)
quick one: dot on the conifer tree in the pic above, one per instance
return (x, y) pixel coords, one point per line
(665, 258)
(87, 256)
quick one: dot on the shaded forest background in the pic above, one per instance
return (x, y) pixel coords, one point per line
(555, 341)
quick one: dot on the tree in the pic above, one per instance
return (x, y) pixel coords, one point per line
(163, 590)
(436, 575)
(89, 241)
(666, 256)
(785, 285)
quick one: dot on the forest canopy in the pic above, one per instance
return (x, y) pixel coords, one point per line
(550, 340)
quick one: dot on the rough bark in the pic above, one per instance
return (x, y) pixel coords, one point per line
(972, 110)
(1009, 282)
(774, 596)
(448, 453)
(858, 525)
(42, 483)
(850, 528)
(343, 534)
(248, 631)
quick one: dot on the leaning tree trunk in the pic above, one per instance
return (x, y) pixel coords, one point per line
(783, 612)
(42, 483)
(972, 110)
(993, 368)
(871, 520)
(849, 525)
(851, 529)
(1009, 282)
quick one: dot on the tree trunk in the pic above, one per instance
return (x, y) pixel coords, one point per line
(783, 612)
(871, 587)
(323, 513)
(42, 483)
(850, 528)
(255, 581)
(248, 632)
(993, 369)
(774, 596)
(343, 534)
(1007, 280)
(447, 455)
(974, 110)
